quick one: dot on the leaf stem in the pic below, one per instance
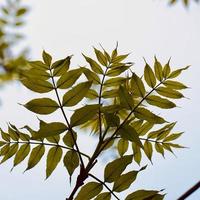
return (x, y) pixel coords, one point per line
(104, 184)
(65, 117)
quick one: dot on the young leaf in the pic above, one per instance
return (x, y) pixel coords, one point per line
(42, 106)
(68, 139)
(69, 78)
(53, 158)
(177, 72)
(46, 58)
(158, 70)
(49, 129)
(11, 152)
(21, 154)
(137, 86)
(94, 65)
(149, 76)
(89, 191)
(129, 133)
(84, 114)
(119, 165)
(168, 92)
(76, 94)
(35, 156)
(122, 146)
(71, 161)
(160, 102)
(142, 113)
(100, 56)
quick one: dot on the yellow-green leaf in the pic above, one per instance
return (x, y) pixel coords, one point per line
(68, 79)
(89, 191)
(49, 129)
(104, 196)
(76, 94)
(91, 76)
(68, 139)
(160, 102)
(35, 157)
(168, 92)
(177, 72)
(11, 152)
(119, 165)
(158, 70)
(84, 114)
(126, 99)
(53, 158)
(137, 155)
(149, 76)
(166, 70)
(142, 113)
(175, 85)
(38, 65)
(114, 81)
(94, 65)
(71, 161)
(21, 154)
(172, 137)
(122, 146)
(46, 58)
(100, 57)
(137, 86)
(148, 149)
(42, 106)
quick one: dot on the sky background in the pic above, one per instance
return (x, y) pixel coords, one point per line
(145, 28)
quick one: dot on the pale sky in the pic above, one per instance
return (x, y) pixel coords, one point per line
(145, 28)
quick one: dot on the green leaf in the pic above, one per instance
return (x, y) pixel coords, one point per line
(122, 147)
(175, 85)
(38, 65)
(110, 94)
(91, 76)
(172, 137)
(168, 92)
(100, 56)
(69, 78)
(136, 153)
(160, 102)
(68, 139)
(142, 194)
(114, 81)
(13, 134)
(129, 133)
(119, 165)
(21, 12)
(49, 129)
(71, 161)
(166, 70)
(35, 74)
(137, 86)
(5, 136)
(158, 70)
(104, 196)
(54, 139)
(42, 106)
(46, 58)
(120, 58)
(21, 154)
(148, 149)
(53, 158)
(35, 157)
(112, 120)
(126, 99)
(76, 94)
(125, 180)
(142, 113)
(40, 86)
(11, 152)
(115, 71)
(89, 191)
(84, 114)
(177, 72)
(94, 65)
(145, 128)
(2, 143)
(5, 149)
(92, 94)
(149, 76)
(60, 67)
(159, 148)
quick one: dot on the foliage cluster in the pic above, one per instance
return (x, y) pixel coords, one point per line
(108, 99)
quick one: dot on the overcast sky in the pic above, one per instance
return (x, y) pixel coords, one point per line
(145, 28)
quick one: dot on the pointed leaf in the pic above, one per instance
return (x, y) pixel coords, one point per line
(158, 70)
(42, 106)
(35, 157)
(91, 76)
(84, 114)
(177, 72)
(137, 153)
(76, 94)
(119, 165)
(148, 149)
(89, 191)
(137, 85)
(46, 58)
(122, 146)
(174, 85)
(11, 152)
(168, 92)
(149, 76)
(100, 56)
(53, 158)
(126, 99)
(68, 139)
(104, 196)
